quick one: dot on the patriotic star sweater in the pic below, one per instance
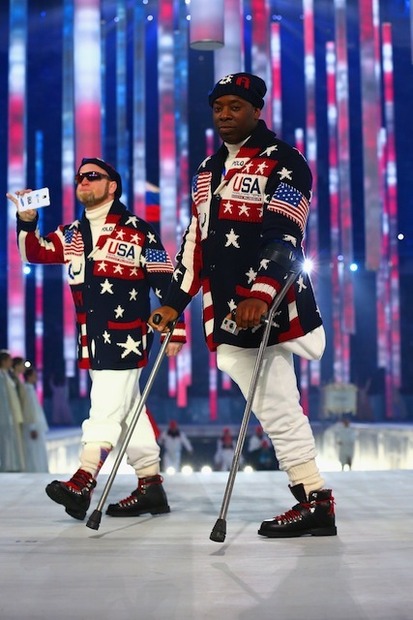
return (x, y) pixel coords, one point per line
(110, 283)
(263, 197)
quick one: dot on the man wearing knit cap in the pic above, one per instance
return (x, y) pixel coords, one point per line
(250, 205)
(113, 260)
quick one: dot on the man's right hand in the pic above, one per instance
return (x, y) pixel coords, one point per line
(25, 216)
(162, 317)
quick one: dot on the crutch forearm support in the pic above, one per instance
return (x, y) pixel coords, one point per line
(95, 518)
(219, 530)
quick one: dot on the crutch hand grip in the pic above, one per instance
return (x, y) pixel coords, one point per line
(157, 318)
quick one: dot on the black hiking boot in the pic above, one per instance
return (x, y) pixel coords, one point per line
(312, 516)
(148, 497)
(75, 494)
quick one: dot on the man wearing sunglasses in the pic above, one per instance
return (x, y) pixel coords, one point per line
(113, 260)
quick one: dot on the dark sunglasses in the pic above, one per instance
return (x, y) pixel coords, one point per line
(90, 176)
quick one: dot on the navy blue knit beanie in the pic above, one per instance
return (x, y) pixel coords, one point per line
(245, 85)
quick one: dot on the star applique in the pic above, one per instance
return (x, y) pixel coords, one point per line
(135, 238)
(132, 220)
(118, 269)
(267, 152)
(120, 234)
(204, 163)
(133, 272)
(102, 266)
(244, 209)
(232, 305)
(176, 274)
(301, 285)
(106, 287)
(251, 275)
(227, 79)
(119, 312)
(227, 206)
(290, 239)
(285, 174)
(142, 260)
(232, 239)
(158, 293)
(248, 166)
(133, 294)
(151, 237)
(130, 346)
(264, 263)
(106, 337)
(261, 168)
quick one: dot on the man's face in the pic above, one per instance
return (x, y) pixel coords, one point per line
(94, 192)
(234, 118)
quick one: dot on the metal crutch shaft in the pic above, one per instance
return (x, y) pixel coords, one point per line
(219, 530)
(95, 518)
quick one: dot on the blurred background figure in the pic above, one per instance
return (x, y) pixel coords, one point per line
(346, 441)
(11, 419)
(61, 412)
(260, 453)
(225, 451)
(36, 426)
(172, 441)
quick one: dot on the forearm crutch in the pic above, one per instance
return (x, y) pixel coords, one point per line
(219, 530)
(95, 517)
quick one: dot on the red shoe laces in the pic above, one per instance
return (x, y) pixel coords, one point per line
(292, 514)
(79, 480)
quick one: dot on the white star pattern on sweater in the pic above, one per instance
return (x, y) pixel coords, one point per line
(119, 312)
(301, 285)
(106, 287)
(132, 220)
(251, 275)
(285, 174)
(133, 294)
(267, 152)
(232, 239)
(130, 346)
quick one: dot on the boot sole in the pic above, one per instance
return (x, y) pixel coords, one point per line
(57, 494)
(321, 531)
(126, 513)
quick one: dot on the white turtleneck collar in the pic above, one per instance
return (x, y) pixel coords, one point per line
(97, 218)
(232, 153)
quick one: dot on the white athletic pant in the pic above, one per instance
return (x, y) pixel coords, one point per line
(277, 400)
(112, 394)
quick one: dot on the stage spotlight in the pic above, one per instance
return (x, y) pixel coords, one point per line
(187, 470)
(206, 469)
(27, 270)
(354, 267)
(308, 265)
(170, 471)
(248, 469)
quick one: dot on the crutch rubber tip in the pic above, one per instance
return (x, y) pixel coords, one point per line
(94, 520)
(219, 531)
(157, 318)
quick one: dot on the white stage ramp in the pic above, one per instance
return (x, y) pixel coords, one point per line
(166, 568)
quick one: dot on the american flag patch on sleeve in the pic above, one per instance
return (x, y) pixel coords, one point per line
(73, 242)
(289, 201)
(200, 187)
(158, 260)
